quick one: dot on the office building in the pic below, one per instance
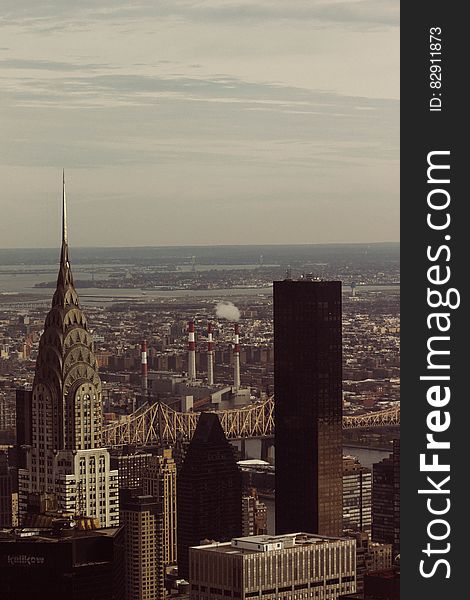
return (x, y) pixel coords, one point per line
(254, 514)
(23, 425)
(209, 495)
(299, 565)
(396, 495)
(62, 562)
(370, 556)
(308, 406)
(131, 465)
(8, 493)
(159, 481)
(7, 419)
(357, 495)
(386, 499)
(65, 456)
(142, 519)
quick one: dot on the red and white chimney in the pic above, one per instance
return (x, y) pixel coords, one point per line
(191, 352)
(236, 358)
(210, 355)
(143, 366)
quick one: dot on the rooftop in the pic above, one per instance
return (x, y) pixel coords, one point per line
(50, 535)
(269, 543)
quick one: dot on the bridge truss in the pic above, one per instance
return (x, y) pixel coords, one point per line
(159, 424)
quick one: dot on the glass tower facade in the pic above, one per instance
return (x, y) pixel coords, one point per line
(308, 406)
(209, 499)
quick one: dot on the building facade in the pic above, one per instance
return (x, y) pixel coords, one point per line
(62, 564)
(144, 567)
(209, 490)
(308, 407)
(370, 556)
(357, 495)
(159, 481)
(386, 499)
(131, 465)
(8, 493)
(65, 456)
(254, 514)
(298, 565)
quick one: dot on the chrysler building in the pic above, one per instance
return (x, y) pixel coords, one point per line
(65, 457)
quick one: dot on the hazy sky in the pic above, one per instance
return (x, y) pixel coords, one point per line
(199, 122)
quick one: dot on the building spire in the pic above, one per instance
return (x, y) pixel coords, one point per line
(64, 279)
(64, 253)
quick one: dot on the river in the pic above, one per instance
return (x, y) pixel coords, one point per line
(13, 281)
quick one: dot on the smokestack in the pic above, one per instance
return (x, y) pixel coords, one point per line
(210, 355)
(191, 352)
(143, 367)
(236, 358)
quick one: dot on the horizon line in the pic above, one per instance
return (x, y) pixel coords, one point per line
(297, 244)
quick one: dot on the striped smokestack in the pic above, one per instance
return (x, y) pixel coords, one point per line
(236, 358)
(210, 355)
(191, 352)
(143, 367)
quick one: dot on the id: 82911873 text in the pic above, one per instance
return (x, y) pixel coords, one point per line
(435, 69)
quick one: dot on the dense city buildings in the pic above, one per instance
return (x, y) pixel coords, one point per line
(308, 408)
(271, 567)
(65, 457)
(159, 481)
(357, 495)
(209, 490)
(225, 377)
(62, 562)
(386, 499)
(370, 556)
(142, 518)
(370, 344)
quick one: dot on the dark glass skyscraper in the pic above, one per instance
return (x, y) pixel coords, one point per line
(62, 562)
(209, 497)
(386, 499)
(308, 406)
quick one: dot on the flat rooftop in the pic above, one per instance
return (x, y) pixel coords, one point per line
(47, 534)
(269, 543)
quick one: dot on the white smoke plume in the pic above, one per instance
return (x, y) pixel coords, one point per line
(227, 310)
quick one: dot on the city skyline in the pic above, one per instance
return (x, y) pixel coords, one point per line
(175, 122)
(78, 483)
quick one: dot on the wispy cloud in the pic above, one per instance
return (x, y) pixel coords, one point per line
(260, 103)
(34, 14)
(49, 65)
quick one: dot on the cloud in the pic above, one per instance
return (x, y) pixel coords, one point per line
(192, 109)
(150, 119)
(355, 13)
(48, 65)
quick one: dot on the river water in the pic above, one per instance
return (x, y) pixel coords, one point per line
(13, 281)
